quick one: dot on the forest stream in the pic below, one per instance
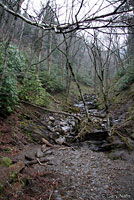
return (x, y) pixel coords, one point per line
(79, 170)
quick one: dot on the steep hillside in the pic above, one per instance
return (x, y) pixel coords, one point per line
(122, 110)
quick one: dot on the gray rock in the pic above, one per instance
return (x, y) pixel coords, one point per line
(60, 140)
(51, 118)
(112, 146)
(48, 152)
(63, 123)
(39, 153)
(65, 128)
(117, 155)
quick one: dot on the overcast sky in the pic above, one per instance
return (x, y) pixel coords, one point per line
(64, 8)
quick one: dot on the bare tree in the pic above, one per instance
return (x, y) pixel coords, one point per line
(10, 37)
(101, 58)
(70, 68)
(96, 17)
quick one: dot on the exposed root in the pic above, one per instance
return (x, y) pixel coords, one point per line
(123, 138)
(85, 128)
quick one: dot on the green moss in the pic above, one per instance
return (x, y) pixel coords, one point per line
(74, 109)
(13, 175)
(27, 133)
(8, 149)
(126, 141)
(5, 161)
(23, 124)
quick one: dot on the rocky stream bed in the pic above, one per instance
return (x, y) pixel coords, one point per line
(78, 169)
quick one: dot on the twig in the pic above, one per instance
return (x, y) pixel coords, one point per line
(51, 193)
(28, 163)
(40, 162)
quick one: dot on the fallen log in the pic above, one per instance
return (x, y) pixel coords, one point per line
(52, 111)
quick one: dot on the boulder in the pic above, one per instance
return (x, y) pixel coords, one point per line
(97, 135)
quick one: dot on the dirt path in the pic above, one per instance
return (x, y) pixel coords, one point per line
(87, 175)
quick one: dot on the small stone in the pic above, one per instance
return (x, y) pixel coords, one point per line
(63, 123)
(65, 128)
(60, 140)
(51, 118)
(49, 152)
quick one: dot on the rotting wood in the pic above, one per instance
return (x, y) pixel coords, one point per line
(52, 111)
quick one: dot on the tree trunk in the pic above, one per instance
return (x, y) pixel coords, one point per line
(23, 26)
(49, 51)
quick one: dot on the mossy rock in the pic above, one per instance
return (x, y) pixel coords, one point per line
(116, 155)
(74, 109)
(113, 156)
(132, 136)
(5, 161)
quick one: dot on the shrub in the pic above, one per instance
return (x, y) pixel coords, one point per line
(33, 91)
(52, 82)
(16, 60)
(127, 78)
(8, 94)
(85, 79)
(5, 161)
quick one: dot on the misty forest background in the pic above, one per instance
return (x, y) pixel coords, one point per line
(41, 57)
